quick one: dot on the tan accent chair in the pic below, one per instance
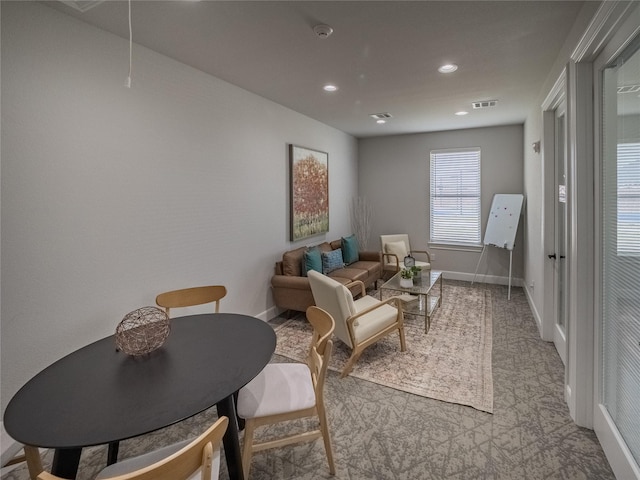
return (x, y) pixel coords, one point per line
(189, 297)
(361, 322)
(197, 459)
(394, 249)
(289, 391)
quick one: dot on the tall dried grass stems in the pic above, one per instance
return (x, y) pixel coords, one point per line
(361, 214)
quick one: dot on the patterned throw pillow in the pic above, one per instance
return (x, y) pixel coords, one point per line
(350, 249)
(332, 261)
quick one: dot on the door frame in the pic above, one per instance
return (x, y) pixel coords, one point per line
(556, 97)
(620, 24)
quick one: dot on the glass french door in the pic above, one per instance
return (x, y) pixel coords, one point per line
(560, 241)
(620, 246)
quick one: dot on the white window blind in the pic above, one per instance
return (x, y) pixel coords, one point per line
(628, 193)
(455, 196)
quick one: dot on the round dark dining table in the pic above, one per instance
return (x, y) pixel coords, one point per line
(98, 395)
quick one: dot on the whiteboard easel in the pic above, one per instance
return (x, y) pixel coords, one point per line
(502, 226)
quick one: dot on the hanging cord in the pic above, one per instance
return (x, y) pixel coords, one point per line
(128, 81)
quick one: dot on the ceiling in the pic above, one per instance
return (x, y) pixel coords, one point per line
(382, 55)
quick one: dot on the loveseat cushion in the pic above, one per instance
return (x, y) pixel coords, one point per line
(372, 268)
(350, 274)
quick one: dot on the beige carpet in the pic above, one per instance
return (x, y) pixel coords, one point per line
(451, 363)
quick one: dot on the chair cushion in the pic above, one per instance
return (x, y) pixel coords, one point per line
(278, 388)
(136, 463)
(335, 298)
(374, 321)
(332, 261)
(311, 260)
(350, 249)
(397, 248)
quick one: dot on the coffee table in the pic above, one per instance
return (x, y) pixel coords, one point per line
(421, 299)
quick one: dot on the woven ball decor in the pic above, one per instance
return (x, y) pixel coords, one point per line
(142, 331)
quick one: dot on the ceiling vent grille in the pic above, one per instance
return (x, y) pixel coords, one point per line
(629, 89)
(381, 116)
(484, 104)
(82, 5)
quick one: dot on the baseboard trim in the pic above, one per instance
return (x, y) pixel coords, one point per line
(479, 278)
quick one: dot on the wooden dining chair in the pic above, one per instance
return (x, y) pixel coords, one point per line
(289, 391)
(197, 459)
(14, 452)
(189, 297)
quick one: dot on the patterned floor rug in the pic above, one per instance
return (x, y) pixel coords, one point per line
(451, 363)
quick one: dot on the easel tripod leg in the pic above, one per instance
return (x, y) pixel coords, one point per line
(478, 265)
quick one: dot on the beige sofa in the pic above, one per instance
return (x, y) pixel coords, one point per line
(291, 290)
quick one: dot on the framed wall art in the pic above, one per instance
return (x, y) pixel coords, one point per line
(309, 170)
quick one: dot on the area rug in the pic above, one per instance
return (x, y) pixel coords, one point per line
(451, 363)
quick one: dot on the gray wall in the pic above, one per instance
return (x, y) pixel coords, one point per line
(111, 195)
(394, 178)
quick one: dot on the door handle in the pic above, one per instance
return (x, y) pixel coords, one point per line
(562, 256)
(553, 256)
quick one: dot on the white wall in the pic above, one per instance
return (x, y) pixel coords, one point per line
(111, 195)
(534, 254)
(394, 178)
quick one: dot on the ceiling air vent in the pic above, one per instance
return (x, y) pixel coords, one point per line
(629, 89)
(484, 104)
(380, 116)
(82, 5)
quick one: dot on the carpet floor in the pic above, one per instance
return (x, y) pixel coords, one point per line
(383, 433)
(451, 363)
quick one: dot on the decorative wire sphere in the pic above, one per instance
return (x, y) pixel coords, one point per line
(142, 331)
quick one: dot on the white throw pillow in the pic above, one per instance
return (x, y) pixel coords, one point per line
(397, 248)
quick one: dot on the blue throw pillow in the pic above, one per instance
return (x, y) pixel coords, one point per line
(350, 249)
(311, 260)
(332, 261)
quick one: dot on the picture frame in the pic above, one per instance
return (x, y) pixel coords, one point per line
(309, 192)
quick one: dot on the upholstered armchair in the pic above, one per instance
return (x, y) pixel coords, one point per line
(361, 322)
(395, 248)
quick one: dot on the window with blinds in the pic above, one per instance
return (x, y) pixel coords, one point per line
(455, 196)
(628, 199)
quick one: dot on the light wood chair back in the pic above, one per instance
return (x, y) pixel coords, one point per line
(281, 392)
(189, 297)
(14, 452)
(359, 323)
(181, 465)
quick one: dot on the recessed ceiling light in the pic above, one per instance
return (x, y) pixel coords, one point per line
(448, 68)
(462, 112)
(381, 121)
(330, 88)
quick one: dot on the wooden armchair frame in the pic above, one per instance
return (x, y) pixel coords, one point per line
(332, 296)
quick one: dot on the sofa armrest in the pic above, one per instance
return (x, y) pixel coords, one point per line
(290, 281)
(369, 256)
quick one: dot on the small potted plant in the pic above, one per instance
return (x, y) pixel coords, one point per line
(406, 278)
(416, 274)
